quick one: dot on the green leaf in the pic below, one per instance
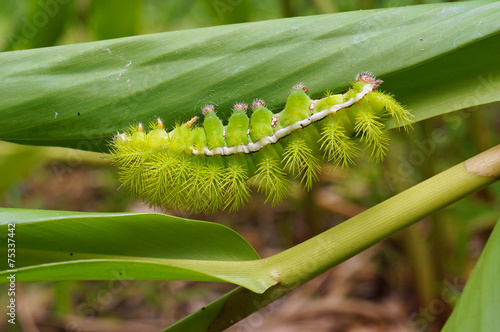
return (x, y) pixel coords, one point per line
(58, 245)
(479, 304)
(434, 58)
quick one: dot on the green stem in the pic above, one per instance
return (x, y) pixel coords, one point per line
(297, 265)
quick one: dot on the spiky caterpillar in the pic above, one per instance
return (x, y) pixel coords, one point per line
(206, 168)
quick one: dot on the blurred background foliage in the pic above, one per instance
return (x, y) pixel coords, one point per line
(399, 285)
(69, 22)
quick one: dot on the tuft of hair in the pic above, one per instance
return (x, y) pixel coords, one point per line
(300, 159)
(402, 116)
(370, 129)
(205, 195)
(207, 108)
(235, 187)
(300, 86)
(240, 106)
(212, 184)
(338, 148)
(133, 178)
(258, 103)
(172, 175)
(368, 78)
(272, 180)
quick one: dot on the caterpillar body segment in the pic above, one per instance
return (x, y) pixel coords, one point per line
(214, 129)
(206, 167)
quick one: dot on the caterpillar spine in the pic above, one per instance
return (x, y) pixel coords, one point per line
(206, 168)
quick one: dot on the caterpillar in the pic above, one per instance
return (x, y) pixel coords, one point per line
(203, 168)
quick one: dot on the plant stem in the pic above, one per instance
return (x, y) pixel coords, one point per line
(297, 265)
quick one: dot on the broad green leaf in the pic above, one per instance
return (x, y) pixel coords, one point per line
(58, 245)
(479, 304)
(434, 58)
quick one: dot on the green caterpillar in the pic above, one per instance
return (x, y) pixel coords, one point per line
(206, 168)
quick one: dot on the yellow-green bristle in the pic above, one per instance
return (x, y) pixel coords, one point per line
(372, 134)
(337, 146)
(235, 187)
(272, 180)
(300, 159)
